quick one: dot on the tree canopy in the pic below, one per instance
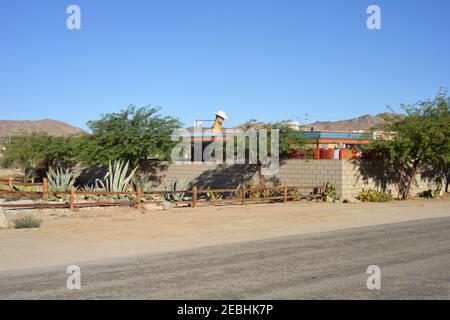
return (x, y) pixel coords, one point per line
(132, 134)
(421, 137)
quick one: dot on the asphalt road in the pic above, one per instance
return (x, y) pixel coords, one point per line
(414, 258)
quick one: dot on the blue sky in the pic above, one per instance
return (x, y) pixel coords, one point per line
(252, 58)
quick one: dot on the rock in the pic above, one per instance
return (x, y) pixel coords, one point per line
(350, 200)
(166, 205)
(3, 221)
(329, 199)
(152, 206)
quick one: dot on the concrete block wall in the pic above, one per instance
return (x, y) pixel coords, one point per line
(357, 176)
(348, 176)
(311, 172)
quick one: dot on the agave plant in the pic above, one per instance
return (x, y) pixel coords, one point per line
(59, 180)
(141, 181)
(178, 185)
(117, 178)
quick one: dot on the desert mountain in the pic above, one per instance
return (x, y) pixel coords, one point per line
(52, 127)
(364, 122)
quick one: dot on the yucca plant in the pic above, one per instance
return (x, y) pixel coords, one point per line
(60, 180)
(117, 178)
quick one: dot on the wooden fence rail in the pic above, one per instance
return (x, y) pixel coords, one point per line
(239, 195)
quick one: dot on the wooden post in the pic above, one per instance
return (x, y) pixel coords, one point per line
(72, 198)
(243, 194)
(45, 189)
(10, 182)
(32, 179)
(194, 196)
(324, 184)
(138, 196)
(285, 193)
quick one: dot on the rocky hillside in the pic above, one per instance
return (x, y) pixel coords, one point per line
(360, 123)
(52, 127)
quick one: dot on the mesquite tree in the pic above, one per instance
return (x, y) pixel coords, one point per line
(421, 137)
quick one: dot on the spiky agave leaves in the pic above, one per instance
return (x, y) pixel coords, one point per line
(179, 185)
(60, 180)
(117, 178)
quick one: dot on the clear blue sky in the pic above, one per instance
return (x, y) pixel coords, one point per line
(252, 58)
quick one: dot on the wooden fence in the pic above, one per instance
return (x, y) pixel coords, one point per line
(198, 197)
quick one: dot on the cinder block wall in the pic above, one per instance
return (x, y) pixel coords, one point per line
(376, 174)
(348, 176)
(311, 172)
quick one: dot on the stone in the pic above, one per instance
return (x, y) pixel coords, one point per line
(329, 199)
(349, 200)
(3, 221)
(166, 205)
(152, 206)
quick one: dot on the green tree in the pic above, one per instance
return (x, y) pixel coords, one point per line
(132, 134)
(288, 139)
(419, 138)
(38, 150)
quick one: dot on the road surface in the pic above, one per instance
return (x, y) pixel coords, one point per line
(414, 258)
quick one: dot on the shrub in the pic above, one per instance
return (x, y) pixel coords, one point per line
(330, 191)
(27, 222)
(372, 195)
(430, 194)
(214, 195)
(257, 192)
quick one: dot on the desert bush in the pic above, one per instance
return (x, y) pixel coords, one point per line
(372, 195)
(27, 222)
(258, 192)
(430, 194)
(329, 191)
(214, 195)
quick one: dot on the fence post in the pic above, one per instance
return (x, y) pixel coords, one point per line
(324, 184)
(243, 193)
(72, 198)
(10, 183)
(138, 196)
(285, 193)
(44, 189)
(194, 196)
(32, 179)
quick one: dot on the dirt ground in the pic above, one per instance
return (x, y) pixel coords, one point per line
(91, 234)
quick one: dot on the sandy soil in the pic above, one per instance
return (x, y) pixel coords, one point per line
(93, 234)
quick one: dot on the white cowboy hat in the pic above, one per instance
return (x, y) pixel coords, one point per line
(221, 114)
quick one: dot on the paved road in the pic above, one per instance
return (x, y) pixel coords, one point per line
(414, 258)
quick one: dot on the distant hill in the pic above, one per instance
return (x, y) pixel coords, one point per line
(364, 122)
(52, 127)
